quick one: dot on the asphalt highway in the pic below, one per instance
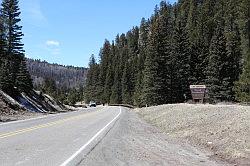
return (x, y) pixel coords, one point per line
(54, 139)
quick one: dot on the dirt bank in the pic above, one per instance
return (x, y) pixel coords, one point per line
(225, 130)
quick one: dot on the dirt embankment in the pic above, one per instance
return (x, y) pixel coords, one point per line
(225, 130)
(9, 114)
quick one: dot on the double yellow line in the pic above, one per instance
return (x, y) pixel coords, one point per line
(21, 131)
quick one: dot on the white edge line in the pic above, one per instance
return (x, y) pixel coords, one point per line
(92, 139)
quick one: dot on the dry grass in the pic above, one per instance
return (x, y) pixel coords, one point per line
(223, 129)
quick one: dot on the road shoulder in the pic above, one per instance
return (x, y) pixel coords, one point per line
(134, 142)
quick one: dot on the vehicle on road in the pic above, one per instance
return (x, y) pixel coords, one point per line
(92, 104)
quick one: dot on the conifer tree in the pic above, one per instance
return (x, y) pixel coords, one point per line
(104, 67)
(217, 53)
(116, 95)
(23, 79)
(150, 91)
(5, 77)
(127, 85)
(142, 48)
(14, 47)
(91, 90)
(2, 41)
(165, 59)
(192, 20)
(232, 62)
(181, 50)
(242, 87)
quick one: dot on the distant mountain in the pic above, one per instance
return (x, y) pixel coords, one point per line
(64, 76)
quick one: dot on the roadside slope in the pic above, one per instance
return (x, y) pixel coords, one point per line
(221, 129)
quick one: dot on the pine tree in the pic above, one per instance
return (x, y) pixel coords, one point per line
(11, 15)
(192, 20)
(92, 87)
(23, 79)
(133, 51)
(242, 87)
(116, 95)
(217, 54)
(127, 85)
(142, 46)
(5, 77)
(150, 91)
(181, 51)
(108, 84)
(104, 67)
(13, 47)
(2, 41)
(232, 66)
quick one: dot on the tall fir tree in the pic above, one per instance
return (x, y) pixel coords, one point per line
(181, 51)
(116, 95)
(242, 87)
(92, 86)
(214, 70)
(6, 77)
(2, 40)
(127, 85)
(23, 80)
(150, 92)
(13, 47)
(142, 48)
(104, 67)
(232, 66)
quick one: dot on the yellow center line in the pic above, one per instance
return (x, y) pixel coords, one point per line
(21, 131)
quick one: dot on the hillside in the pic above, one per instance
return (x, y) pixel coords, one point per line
(65, 76)
(24, 106)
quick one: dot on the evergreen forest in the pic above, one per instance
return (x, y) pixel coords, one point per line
(190, 42)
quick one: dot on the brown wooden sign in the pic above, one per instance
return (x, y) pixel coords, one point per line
(198, 92)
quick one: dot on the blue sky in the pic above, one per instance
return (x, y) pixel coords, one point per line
(68, 32)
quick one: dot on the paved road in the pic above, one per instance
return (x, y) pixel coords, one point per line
(54, 139)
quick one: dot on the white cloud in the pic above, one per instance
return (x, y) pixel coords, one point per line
(52, 43)
(53, 47)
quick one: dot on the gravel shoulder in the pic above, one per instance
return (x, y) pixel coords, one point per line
(221, 129)
(134, 142)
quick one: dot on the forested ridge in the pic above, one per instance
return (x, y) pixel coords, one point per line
(65, 76)
(64, 83)
(190, 42)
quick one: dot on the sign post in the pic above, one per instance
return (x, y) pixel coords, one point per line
(198, 93)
